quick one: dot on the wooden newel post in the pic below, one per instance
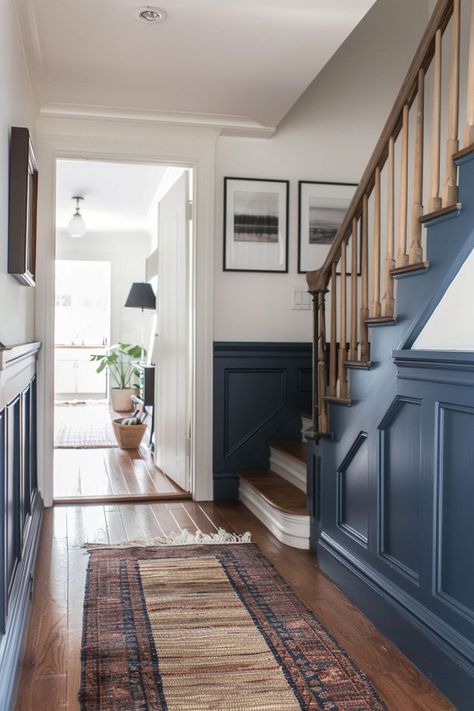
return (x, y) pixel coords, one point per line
(321, 379)
(320, 417)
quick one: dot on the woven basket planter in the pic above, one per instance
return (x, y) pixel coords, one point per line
(128, 436)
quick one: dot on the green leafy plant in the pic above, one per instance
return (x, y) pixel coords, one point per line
(120, 361)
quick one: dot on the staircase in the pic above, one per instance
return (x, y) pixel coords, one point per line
(277, 496)
(390, 455)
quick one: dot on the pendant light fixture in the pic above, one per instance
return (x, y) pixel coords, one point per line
(77, 227)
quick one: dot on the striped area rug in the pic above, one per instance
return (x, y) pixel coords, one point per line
(83, 426)
(194, 628)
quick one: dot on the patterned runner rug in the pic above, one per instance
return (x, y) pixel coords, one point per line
(83, 426)
(193, 628)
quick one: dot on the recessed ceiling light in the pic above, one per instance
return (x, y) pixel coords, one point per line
(150, 14)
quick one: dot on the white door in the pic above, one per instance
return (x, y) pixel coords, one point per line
(172, 433)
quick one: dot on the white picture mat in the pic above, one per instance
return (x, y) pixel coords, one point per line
(322, 195)
(255, 256)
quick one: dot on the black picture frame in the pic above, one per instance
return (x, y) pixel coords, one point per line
(23, 201)
(346, 196)
(272, 230)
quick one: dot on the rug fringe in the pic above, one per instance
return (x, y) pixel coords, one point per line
(183, 538)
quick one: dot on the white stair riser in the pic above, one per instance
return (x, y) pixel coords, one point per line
(290, 469)
(290, 529)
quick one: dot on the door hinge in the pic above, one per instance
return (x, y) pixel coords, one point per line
(187, 446)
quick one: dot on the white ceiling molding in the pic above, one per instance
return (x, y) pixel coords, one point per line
(228, 125)
(237, 65)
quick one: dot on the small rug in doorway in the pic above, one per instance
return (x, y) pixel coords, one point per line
(193, 628)
(83, 427)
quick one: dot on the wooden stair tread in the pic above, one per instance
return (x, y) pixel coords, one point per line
(361, 364)
(338, 400)
(456, 207)
(381, 321)
(296, 450)
(410, 269)
(277, 491)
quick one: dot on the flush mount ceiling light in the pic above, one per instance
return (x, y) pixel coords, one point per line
(77, 227)
(150, 14)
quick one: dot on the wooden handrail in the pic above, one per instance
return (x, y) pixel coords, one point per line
(374, 256)
(439, 20)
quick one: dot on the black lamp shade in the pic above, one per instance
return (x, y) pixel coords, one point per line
(141, 296)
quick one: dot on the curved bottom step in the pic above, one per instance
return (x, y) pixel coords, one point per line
(279, 505)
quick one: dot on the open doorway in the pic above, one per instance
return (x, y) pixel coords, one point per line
(122, 304)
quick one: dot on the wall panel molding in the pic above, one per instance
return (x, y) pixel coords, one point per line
(20, 506)
(353, 492)
(399, 485)
(259, 389)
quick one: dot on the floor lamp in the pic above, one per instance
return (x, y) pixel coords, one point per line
(141, 296)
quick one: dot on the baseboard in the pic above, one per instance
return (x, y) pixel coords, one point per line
(226, 487)
(445, 668)
(11, 644)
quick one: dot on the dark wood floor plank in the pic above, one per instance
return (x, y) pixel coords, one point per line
(50, 672)
(114, 471)
(78, 559)
(139, 522)
(115, 528)
(46, 638)
(100, 475)
(181, 516)
(165, 520)
(199, 517)
(212, 512)
(86, 524)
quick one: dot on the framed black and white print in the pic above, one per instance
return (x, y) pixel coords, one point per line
(255, 225)
(322, 207)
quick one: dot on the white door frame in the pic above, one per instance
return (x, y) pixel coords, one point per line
(135, 142)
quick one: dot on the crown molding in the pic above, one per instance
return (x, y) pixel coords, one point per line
(227, 125)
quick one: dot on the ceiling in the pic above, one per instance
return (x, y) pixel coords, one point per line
(117, 196)
(234, 61)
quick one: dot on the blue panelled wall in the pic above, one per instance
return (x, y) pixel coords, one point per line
(392, 494)
(20, 520)
(259, 389)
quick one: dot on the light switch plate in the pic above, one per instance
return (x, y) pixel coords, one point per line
(300, 299)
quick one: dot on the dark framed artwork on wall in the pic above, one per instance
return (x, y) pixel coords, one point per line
(23, 199)
(255, 225)
(321, 209)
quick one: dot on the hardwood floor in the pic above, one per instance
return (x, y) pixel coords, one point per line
(50, 670)
(112, 473)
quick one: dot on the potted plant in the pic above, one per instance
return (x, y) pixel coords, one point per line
(120, 362)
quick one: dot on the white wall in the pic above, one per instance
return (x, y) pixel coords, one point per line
(451, 325)
(17, 108)
(127, 254)
(328, 135)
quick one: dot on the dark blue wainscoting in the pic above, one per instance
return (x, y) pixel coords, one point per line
(20, 520)
(259, 388)
(396, 530)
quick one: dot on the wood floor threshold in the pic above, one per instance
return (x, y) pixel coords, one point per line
(121, 499)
